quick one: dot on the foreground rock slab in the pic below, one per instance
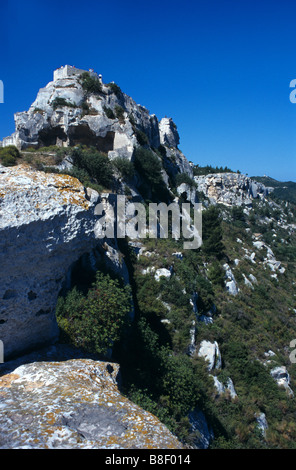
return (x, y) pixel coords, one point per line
(74, 404)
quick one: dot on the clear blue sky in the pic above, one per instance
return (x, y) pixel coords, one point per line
(221, 69)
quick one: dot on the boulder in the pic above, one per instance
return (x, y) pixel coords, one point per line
(74, 404)
(261, 423)
(230, 281)
(282, 377)
(211, 353)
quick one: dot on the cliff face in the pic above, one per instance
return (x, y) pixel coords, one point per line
(47, 222)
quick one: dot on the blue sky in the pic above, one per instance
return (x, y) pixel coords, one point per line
(220, 69)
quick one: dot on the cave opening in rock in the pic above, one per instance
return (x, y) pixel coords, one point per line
(51, 136)
(83, 135)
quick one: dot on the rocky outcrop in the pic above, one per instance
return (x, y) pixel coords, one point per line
(74, 404)
(65, 114)
(168, 133)
(230, 189)
(230, 282)
(200, 426)
(109, 120)
(261, 423)
(211, 353)
(282, 377)
(47, 223)
(228, 388)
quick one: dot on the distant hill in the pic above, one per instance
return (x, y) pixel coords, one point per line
(282, 190)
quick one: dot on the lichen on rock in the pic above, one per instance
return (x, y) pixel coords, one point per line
(74, 404)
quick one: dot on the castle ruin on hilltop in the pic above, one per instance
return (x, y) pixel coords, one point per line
(67, 71)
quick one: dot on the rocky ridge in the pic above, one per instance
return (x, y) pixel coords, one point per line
(231, 188)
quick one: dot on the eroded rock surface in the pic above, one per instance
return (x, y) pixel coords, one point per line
(230, 189)
(47, 221)
(74, 404)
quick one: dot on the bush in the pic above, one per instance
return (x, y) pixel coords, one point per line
(184, 178)
(109, 113)
(115, 89)
(125, 167)
(148, 166)
(141, 137)
(209, 169)
(8, 155)
(90, 84)
(59, 102)
(216, 274)
(95, 165)
(212, 233)
(119, 112)
(95, 321)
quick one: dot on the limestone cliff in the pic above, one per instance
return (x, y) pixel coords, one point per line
(47, 222)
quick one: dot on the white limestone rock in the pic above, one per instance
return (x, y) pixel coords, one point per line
(162, 272)
(70, 124)
(211, 353)
(262, 423)
(74, 404)
(188, 192)
(247, 282)
(168, 133)
(221, 389)
(199, 425)
(282, 377)
(230, 189)
(230, 282)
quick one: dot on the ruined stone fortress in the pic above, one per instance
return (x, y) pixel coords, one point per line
(64, 72)
(63, 114)
(67, 71)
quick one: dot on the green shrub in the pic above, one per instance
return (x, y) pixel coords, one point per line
(8, 160)
(125, 167)
(91, 85)
(109, 113)
(148, 166)
(95, 165)
(119, 112)
(212, 232)
(184, 178)
(216, 274)
(95, 321)
(141, 137)
(59, 102)
(8, 155)
(209, 169)
(115, 89)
